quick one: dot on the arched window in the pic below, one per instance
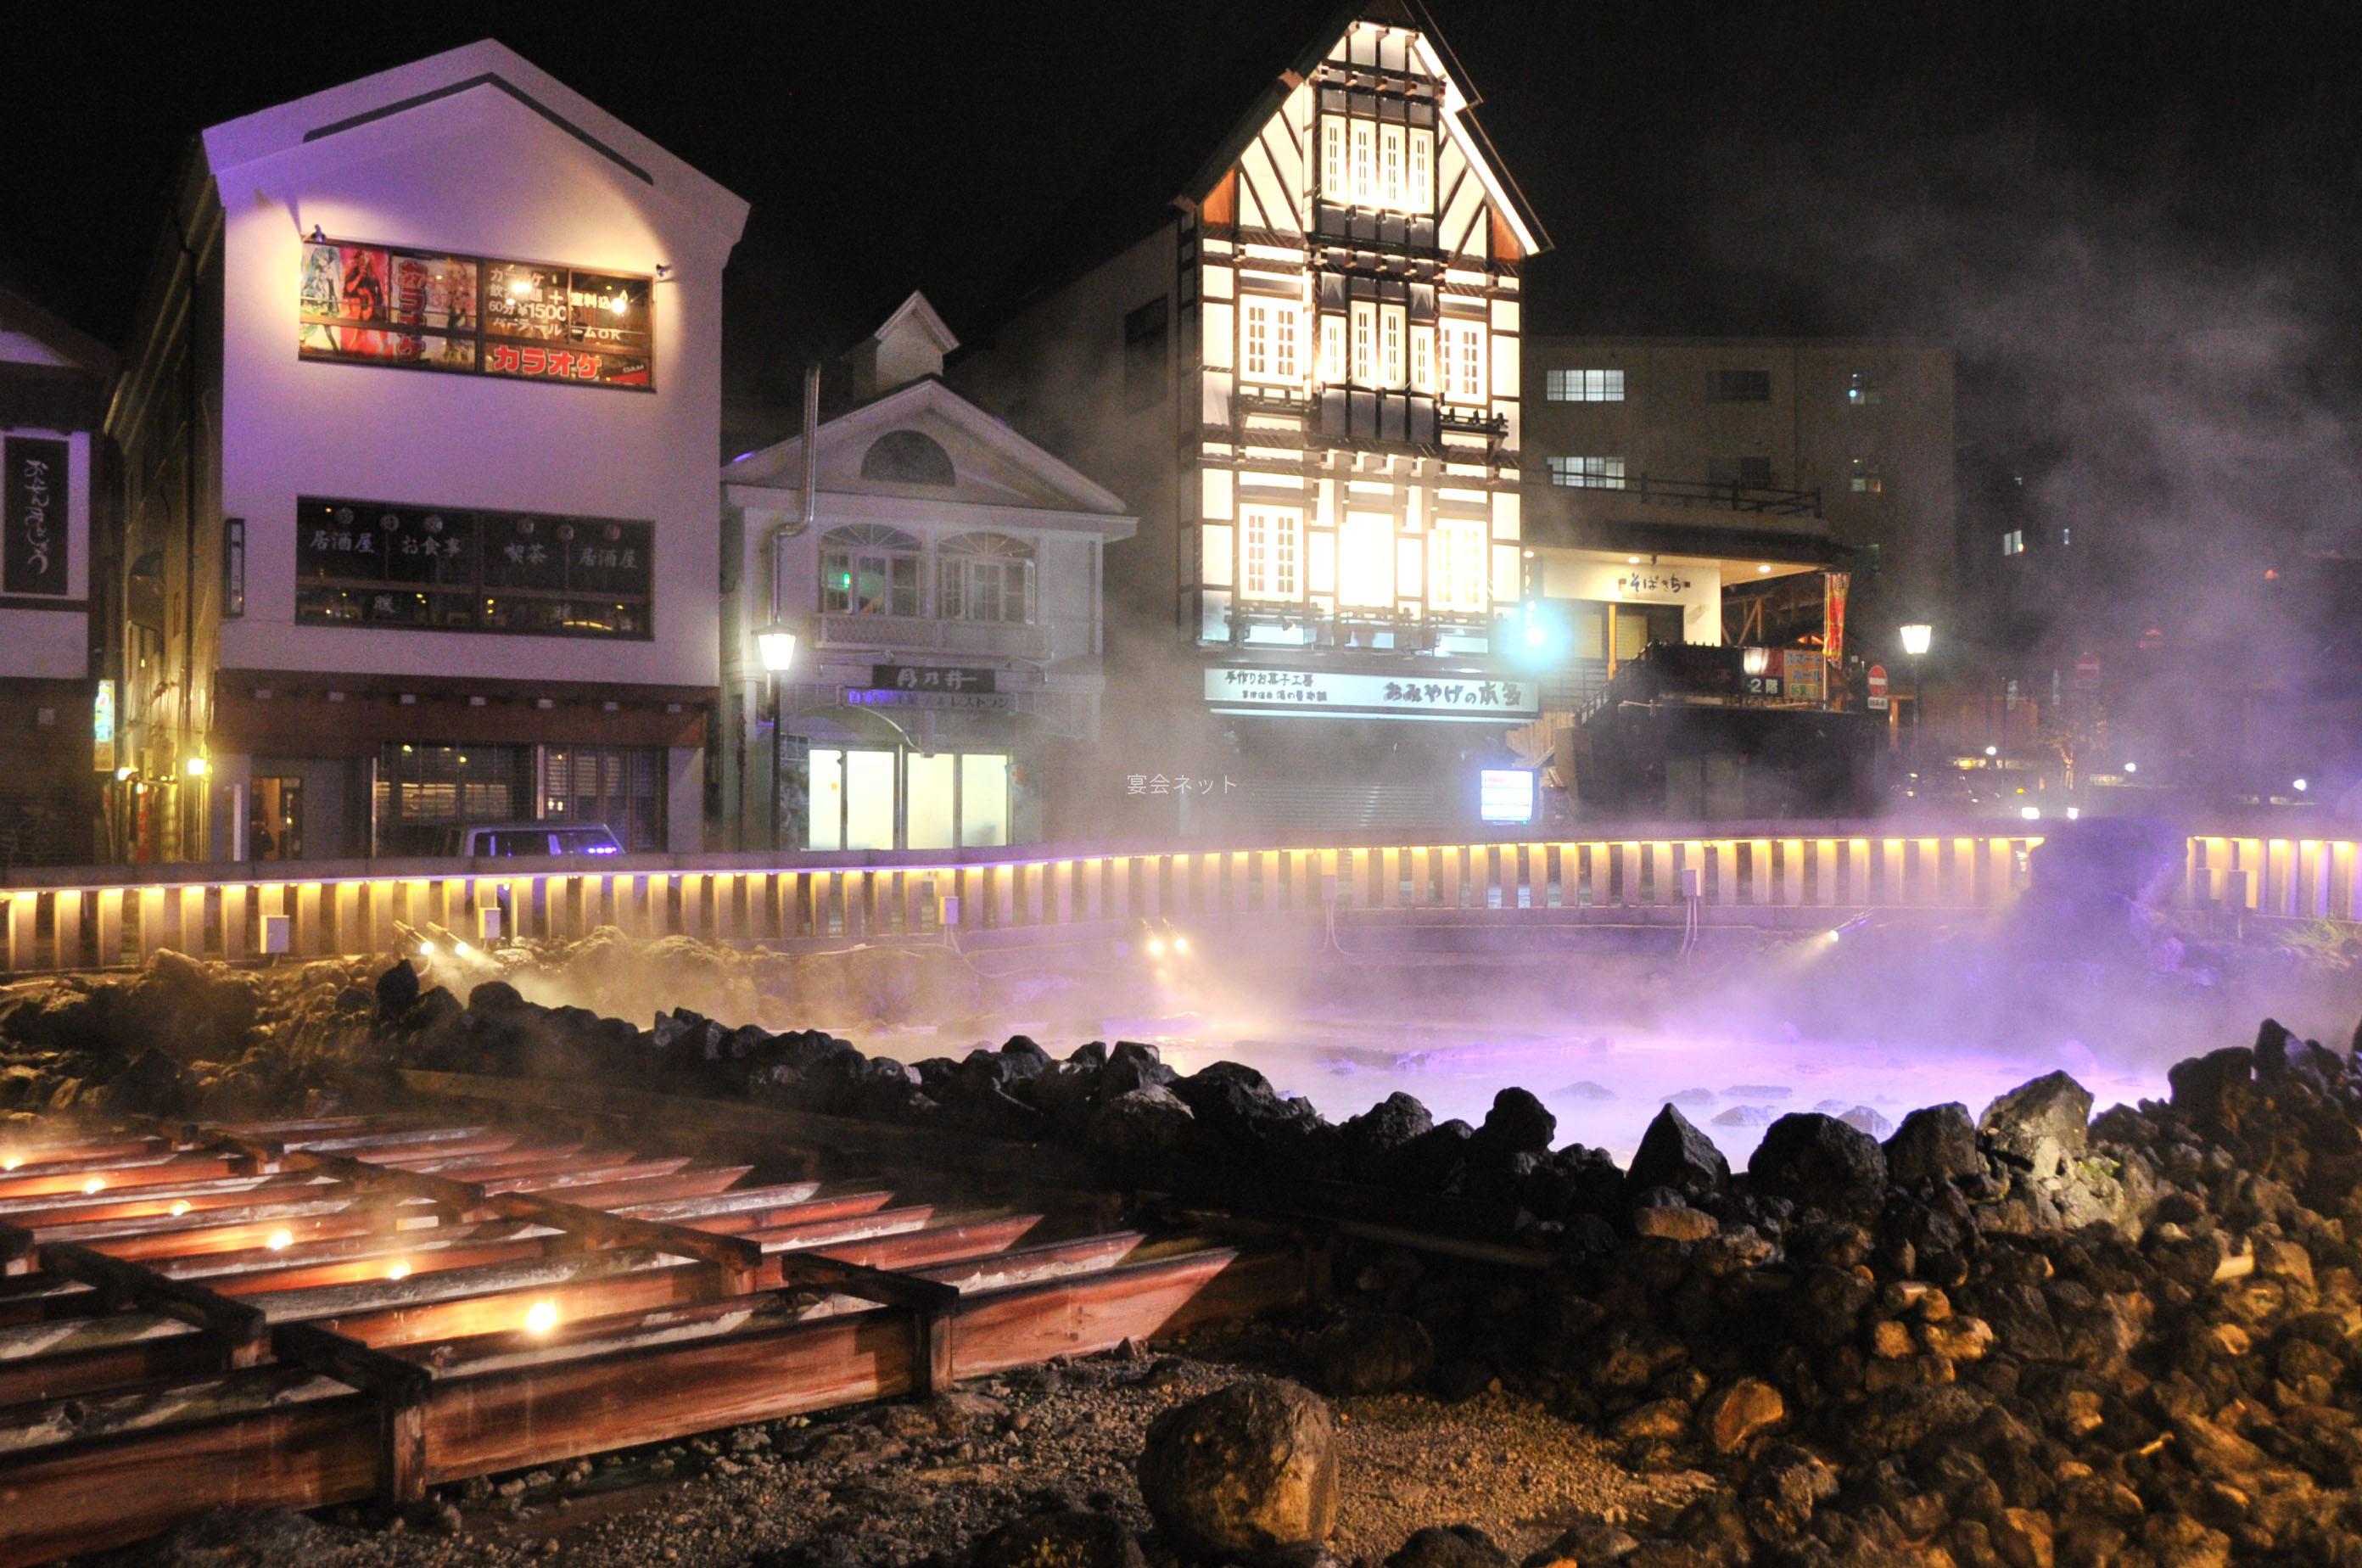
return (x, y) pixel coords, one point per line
(868, 570)
(905, 457)
(985, 576)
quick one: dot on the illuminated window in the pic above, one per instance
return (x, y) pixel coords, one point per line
(1864, 388)
(1390, 166)
(2014, 542)
(1332, 160)
(1422, 171)
(1587, 473)
(1393, 325)
(1365, 162)
(1422, 358)
(1463, 362)
(1456, 567)
(1365, 561)
(869, 569)
(1274, 553)
(1332, 349)
(1864, 476)
(1365, 343)
(1270, 331)
(1584, 386)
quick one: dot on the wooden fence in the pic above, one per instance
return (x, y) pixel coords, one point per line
(108, 917)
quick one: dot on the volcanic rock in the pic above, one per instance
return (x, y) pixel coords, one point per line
(397, 990)
(1374, 1137)
(1374, 1355)
(1674, 1153)
(1519, 1123)
(1143, 1124)
(1738, 1410)
(1450, 1546)
(1070, 1538)
(2044, 1125)
(1820, 1162)
(1936, 1144)
(1245, 1469)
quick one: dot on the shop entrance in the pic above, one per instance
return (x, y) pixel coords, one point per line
(274, 818)
(880, 799)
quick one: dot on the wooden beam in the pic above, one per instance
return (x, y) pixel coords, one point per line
(399, 1388)
(239, 1326)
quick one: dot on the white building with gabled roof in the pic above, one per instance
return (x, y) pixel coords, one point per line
(441, 549)
(943, 585)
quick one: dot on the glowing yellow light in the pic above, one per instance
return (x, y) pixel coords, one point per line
(198, 767)
(463, 950)
(1156, 948)
(426, 950)
(180, 1206)
(1764, 569)
(11, 1162)
(280, 1240)
(94, 1184)
(541, 1317)
(1180, 945)
(397, 1271)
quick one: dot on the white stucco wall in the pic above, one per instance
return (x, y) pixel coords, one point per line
(479, 174)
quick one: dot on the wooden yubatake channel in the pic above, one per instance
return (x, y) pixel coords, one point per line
(300, 1313)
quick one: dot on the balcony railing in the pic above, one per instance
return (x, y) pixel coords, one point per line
(928, 633)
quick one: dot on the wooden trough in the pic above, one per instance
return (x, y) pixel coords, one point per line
(298, 1313)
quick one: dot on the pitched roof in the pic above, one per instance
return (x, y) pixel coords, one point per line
(77, 348)
(1180, 152)
(485, 66)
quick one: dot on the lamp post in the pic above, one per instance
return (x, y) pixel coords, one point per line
(777, 646)
(1917, 639)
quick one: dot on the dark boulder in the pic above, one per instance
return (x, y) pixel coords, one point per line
(1376, 1354)
(495, 997)
(1519, 1123)
(397, 991)
(1819, 1162)
(1024, 1057)
(1146, 1124)
(2215, 1091)
(1937, 1143)
(1244, 1469)
(1372, 1138)
(1673, 1154)
(1450, 1546)
(1069, 1538)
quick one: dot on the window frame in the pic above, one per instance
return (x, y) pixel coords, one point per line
(1270, 554)
(856, 543)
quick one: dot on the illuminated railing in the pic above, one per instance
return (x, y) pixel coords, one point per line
(1767, 874)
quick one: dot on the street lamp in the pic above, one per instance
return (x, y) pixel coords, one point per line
(1917, 639)
(775, 645)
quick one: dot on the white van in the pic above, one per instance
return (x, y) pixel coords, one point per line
(494, 840)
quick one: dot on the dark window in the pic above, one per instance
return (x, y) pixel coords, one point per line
(905, 457)
(1144, 338)
(368, 563)
(1742, 386)
(1739, 470)
(233, 568)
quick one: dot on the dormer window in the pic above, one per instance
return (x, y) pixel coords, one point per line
(907, 456)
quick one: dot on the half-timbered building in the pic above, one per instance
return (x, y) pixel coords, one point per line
(1293, 346)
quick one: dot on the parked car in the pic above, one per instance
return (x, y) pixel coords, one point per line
(494, 840)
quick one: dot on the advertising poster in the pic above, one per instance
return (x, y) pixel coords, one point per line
(423, 310)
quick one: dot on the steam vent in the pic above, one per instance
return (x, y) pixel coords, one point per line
(1034, 786)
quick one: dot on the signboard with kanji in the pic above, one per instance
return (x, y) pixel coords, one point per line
(1367, 696)
(933, 678)
(33, 511)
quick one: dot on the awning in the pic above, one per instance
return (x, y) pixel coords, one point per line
(1713, 543)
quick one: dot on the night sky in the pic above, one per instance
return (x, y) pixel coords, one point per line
(1993, 174)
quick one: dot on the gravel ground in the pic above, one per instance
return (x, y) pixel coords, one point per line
(892, 1484)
